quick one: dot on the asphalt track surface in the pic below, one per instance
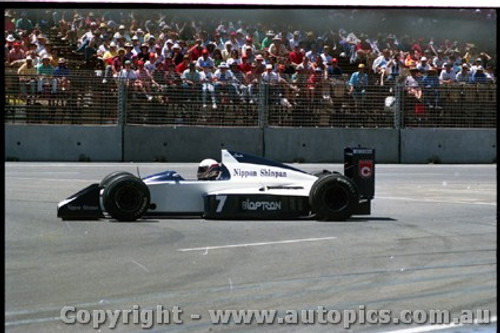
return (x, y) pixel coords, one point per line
(430, 243)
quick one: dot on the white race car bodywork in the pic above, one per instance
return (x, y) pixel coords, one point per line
(248, 187)
(186, 196)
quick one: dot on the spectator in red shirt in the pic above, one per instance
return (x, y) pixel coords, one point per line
(245, 65)
(10, 27)
(180, 68)
(297, 55)
(196, 51)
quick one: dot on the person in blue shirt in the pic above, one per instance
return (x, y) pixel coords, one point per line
(430, 85)
(61, 76)
(357, 85)
(479, 76)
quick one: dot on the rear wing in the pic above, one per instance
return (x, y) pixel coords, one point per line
(359, 166)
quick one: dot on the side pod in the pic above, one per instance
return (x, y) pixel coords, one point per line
(83, 205)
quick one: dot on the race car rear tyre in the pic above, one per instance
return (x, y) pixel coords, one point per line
(108, 178)
(126, 198)
(333, 197)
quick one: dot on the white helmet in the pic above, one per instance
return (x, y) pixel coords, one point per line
(208, 169)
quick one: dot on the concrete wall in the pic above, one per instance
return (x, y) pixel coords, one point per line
(442, 145)
(189, 144)
(317, 145)
(63, 143)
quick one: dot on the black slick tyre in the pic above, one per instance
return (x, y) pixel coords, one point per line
(108, 178)
(126, 198)
(333, 198)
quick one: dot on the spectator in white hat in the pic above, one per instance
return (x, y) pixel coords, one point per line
(45, 72)
(27, 78)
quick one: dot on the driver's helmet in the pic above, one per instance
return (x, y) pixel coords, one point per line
(208, 169)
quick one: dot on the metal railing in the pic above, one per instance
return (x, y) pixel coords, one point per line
(86, 98)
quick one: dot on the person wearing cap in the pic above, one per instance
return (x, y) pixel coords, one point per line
(167, 49)
(127, 75)
(357, 85)
(439, 60)
(334, 71)
(205, 58)
(62, 76)
(150, 64)
(267, 41)
(412, 84)
(223, 78)
(122, 33)
(423, 65)
(277, 48)
(144, 54)
(235, 41)
(129, 50)
(294, 41)
(430, 88)
(110, 54)
(248, 48)
(207, 79)
(27, 78)
(9, 26)
(315, 84)
(16, 54)
(226, 52)
(117, 63)
(43, 46)
(464, 76)
(447, 75)
(191, 82)
(177, 55)
(45, 72)
(144, 82)
(480, 77)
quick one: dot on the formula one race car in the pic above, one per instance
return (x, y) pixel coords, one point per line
(247, 187)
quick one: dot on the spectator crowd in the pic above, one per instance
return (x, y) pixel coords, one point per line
(222, 59)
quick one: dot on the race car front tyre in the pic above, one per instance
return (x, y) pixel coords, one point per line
(126, 198)
(108, 178)
(333, 197)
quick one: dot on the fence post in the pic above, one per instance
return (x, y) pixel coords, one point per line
(122, 103)
(398, 106)
(263, 105)
(122, 113)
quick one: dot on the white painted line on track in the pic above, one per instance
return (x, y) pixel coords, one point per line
(232, 246)
(439, 201)
(432, 328)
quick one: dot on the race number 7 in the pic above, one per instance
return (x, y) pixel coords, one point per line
(222, 200)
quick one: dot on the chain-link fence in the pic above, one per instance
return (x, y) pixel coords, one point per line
(86, 98)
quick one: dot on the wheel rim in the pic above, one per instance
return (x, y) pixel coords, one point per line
(335, 198)
(128, 199)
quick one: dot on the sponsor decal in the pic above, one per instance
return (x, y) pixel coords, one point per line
(261, 205)
(244, 173)
(272, 173)
(362, 151)
(366, 168)
(83, 207)
(262, 173)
